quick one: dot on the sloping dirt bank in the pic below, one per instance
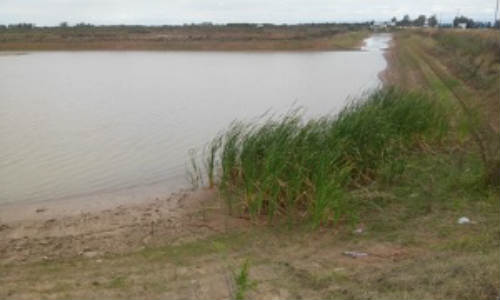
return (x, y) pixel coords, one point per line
(186, 247)
(51, 230)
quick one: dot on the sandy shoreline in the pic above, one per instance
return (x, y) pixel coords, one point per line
(89, 202)
(104, 223)
(37, 232)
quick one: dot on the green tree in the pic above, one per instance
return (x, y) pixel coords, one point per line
(420, 21)
(432, 21)
(463, 19)
(22, 26)
(406, 21)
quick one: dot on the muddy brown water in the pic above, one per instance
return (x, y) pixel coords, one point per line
(104, 123)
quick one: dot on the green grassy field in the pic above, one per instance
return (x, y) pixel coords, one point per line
(462, 67)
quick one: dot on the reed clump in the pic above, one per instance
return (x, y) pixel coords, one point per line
(303, 170)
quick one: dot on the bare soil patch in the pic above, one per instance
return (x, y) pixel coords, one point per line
(45, 234)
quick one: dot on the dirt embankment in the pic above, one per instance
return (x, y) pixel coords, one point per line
(205, 38)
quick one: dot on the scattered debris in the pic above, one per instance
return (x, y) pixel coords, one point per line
(355, 254)
(358, 231)
(40, 210)
(4, 227)
(463, 220)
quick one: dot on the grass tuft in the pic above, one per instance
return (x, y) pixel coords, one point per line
(243, 282)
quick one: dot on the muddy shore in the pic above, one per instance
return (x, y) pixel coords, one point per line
(52, 230)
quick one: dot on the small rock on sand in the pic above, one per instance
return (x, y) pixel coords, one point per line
(90, 254)
(44, 242)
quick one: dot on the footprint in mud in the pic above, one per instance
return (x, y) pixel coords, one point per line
(49, 223)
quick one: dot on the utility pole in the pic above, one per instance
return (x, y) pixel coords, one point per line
(496, 15)
(458, 13)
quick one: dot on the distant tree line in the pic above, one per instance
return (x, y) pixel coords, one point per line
(470, 23)
(25, 26)
(83, 25)
(432, 21)
(18, 26)
(420, 21)
(406, 21)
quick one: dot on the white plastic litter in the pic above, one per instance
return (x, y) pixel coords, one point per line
(463, 220)
(355, 254)
(358, 231)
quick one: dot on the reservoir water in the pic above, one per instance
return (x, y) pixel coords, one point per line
(81, 124)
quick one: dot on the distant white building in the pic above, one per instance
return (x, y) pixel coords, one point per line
(379, 26)
(462, 25)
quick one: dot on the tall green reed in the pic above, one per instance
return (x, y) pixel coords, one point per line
(303, 169)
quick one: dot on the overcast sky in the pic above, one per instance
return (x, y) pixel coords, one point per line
(155, 12)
